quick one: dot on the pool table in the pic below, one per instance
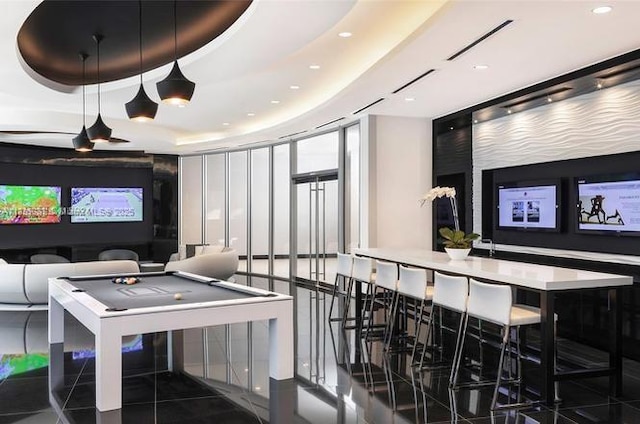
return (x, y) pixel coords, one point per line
(111, 311)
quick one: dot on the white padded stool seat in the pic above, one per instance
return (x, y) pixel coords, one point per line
(526, 314)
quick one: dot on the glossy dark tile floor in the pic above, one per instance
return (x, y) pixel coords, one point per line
(339, 379)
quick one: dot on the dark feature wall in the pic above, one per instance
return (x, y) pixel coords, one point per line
(155, 238)
(14, 236)
(583, 315)
(566, 172)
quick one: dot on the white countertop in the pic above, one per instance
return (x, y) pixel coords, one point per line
(533, 276)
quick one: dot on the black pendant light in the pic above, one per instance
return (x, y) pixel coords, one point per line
(81, 142)
(99, 132)
(175, 89)
(141, 108)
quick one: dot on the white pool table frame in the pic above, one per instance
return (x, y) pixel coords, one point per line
(109, 328)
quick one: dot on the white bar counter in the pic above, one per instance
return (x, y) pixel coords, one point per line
(543, 279)
(531, 276)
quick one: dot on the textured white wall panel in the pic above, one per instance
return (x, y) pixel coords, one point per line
(603, 122)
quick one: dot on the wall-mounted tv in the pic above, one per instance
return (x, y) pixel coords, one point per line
(29, 204)
(106, 204)
(528, 205)
(609, 204)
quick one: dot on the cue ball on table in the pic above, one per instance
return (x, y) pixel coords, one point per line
(177, 296)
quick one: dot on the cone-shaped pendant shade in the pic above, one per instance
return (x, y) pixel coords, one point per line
(81, 142)
(141, 107)
(99, 132)
(175, 89)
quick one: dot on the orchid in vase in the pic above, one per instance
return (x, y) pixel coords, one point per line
(456, 238)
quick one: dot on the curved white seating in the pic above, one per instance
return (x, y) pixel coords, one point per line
(27, 284)
(214, 265)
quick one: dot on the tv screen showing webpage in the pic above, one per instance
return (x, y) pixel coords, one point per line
(609, 206)
(29, 204)
(528, 207)
(106, 204)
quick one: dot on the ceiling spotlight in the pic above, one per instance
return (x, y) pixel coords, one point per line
(475, 121)
(481, 67)
(294, 87)
(251, 114)
(141, 108)
(175, 89)
(509, 111)
(275, 102)
(81, 142)
(451, 128)
(314, 67)
(409, 99)
(99, 132)
(602, 10)
(599, 84)
(345, 34)
(549, 99)
(226, 124)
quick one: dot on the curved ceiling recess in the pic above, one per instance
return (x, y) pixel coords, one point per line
(56, 31)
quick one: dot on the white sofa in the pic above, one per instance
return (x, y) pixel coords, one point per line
(217, 264)
(27, 284)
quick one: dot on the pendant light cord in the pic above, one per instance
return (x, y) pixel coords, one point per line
(140, 35)
(84, 111)
(98, 43)
(175, 30)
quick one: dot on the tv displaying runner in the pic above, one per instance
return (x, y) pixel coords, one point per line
(106, 204)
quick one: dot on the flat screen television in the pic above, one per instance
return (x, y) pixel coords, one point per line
(528, 205)
(106, 204)
(21, 204)
(609, 204)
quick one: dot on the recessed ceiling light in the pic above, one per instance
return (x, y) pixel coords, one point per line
(409, 99)
(294, 87)
(226, 124)
(475, 121)
(509, 111)
(598, 85)
(549, 99)
(251, 114)
(481, 67)
(275, 102)
(314, 66)
(345, 34)
(451, 128)
(602, 9)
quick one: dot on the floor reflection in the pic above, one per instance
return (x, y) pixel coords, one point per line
(339, 378)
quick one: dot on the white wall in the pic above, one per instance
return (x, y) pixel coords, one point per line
(599, 123)
(400, 152)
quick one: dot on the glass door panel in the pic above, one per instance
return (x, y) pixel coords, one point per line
(316, 225)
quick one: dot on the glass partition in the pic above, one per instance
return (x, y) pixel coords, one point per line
(216, 205)
(318, 153)
(352, 188)
(260, 211)
(238, 205)
(281, 209)
(191, 200)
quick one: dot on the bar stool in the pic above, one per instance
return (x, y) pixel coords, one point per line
(412, 284)
(343, 274)
(449, 292)
(362, 272)
(493, 303)
(384, 293)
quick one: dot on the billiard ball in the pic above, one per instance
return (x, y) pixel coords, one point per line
(177, 296)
